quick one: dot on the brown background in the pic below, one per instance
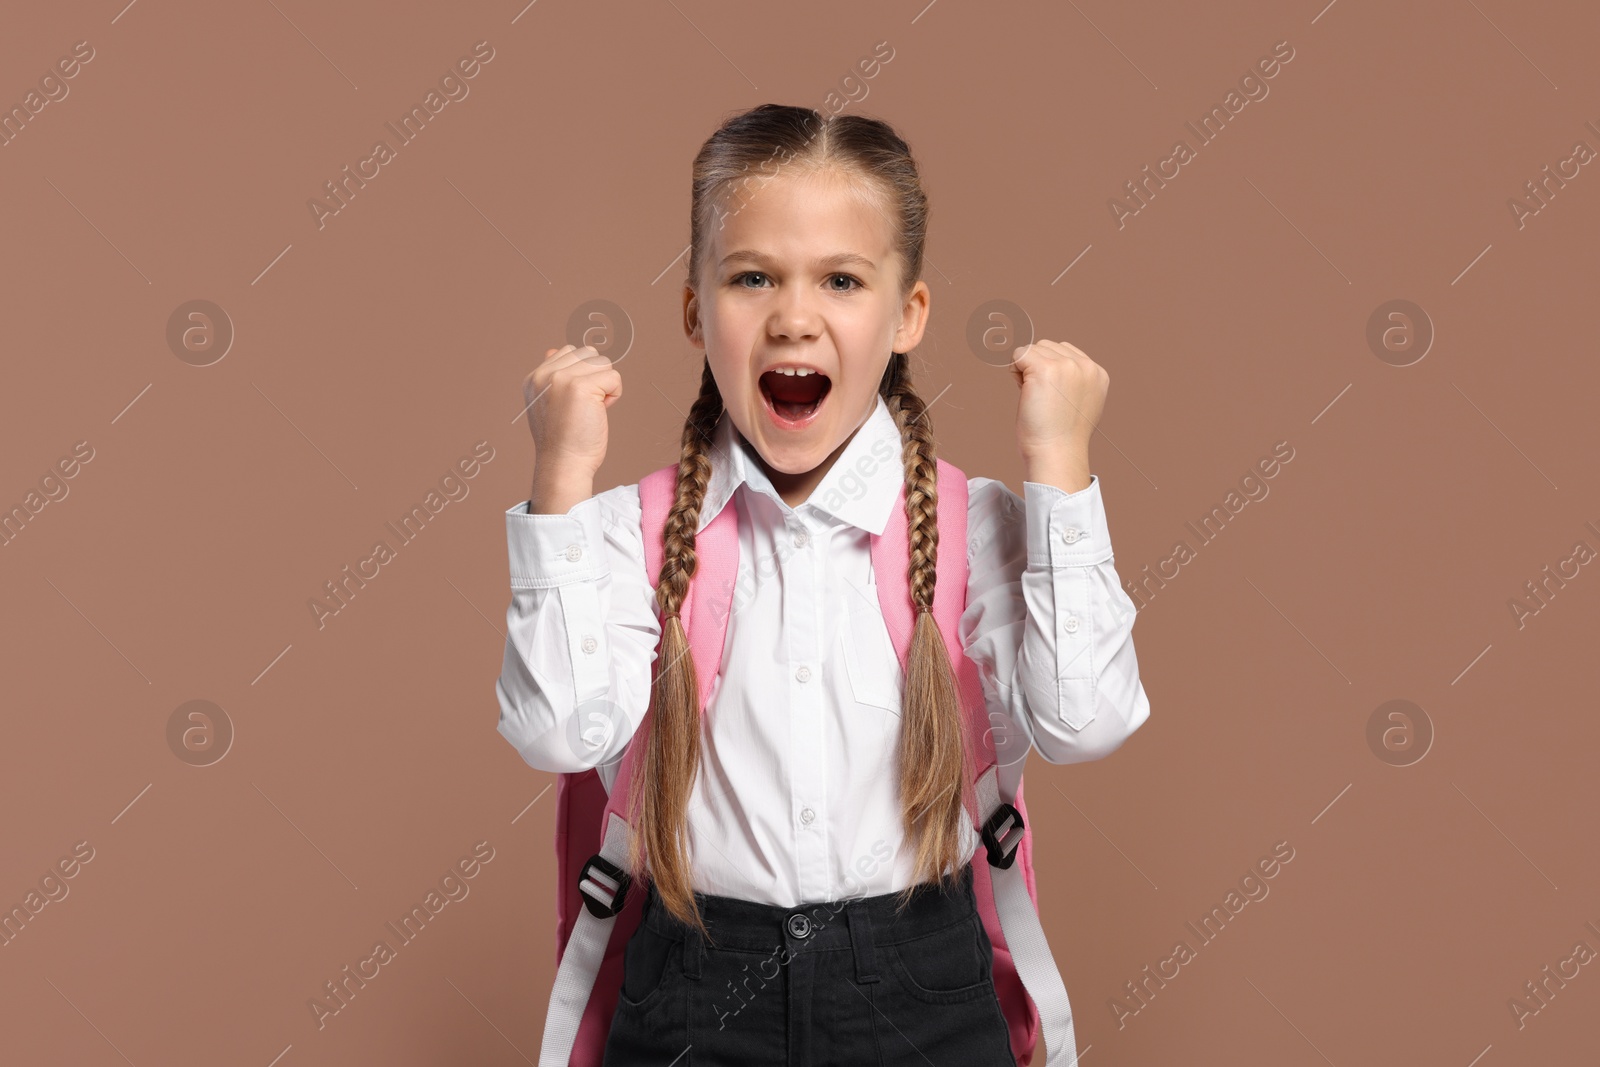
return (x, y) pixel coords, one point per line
(372, 353)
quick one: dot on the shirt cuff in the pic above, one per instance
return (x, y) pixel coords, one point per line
(1066, 529)
(551, 550)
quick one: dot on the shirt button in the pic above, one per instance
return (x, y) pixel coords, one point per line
(800, 925)
(1070, 535)
(806, 815)
(590, 644)
(1071, 625)
(574, 552)
(804, 673)
(800, 538)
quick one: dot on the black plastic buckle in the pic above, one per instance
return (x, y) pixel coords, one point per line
(1003, 855)
(588, 885)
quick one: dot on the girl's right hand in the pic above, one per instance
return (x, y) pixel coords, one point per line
(567, 397)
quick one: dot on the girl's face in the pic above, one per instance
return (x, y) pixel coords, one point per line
(802, 274)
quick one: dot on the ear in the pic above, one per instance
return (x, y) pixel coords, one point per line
(691, 317)
(913, 318)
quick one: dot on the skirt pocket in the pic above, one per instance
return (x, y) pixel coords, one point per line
(650, 963)
(948, 966)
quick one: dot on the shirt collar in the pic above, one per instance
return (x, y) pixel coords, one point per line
(861, 488)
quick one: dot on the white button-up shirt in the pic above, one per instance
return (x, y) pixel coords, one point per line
(797, 800)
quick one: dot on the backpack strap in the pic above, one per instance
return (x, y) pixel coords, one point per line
(705, 610)
(589, 974)
(1006, 893)
(1026, 980)
(1015, 909)
(891, 569)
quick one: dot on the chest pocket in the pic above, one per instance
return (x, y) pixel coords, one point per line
(869, 655)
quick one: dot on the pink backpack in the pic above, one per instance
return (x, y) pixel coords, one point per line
(584, 809)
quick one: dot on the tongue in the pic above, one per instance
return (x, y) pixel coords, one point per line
(793, 395)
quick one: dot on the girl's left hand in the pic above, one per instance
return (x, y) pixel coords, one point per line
(1063, 395)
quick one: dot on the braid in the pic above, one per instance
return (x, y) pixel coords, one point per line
(922, 492)
(935, 772)
(694, 473)
(663, 783)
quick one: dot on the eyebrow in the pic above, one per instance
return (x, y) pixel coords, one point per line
(837, 259)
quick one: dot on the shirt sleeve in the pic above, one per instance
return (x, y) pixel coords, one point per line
(581, 633)
(1047, 621)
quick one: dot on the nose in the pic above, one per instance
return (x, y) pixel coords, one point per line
(793, 318)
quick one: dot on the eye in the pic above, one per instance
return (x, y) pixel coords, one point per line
(735, 280)
(848, 278)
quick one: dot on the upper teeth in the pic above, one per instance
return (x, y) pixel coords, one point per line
(795, 371)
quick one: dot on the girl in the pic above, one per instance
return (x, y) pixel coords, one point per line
(818, 771)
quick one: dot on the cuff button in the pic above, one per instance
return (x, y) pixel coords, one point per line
(574, 552)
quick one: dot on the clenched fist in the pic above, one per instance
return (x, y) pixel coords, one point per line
(567, 397)
(1063, 396)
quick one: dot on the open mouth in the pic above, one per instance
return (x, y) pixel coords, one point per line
(794, 399)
